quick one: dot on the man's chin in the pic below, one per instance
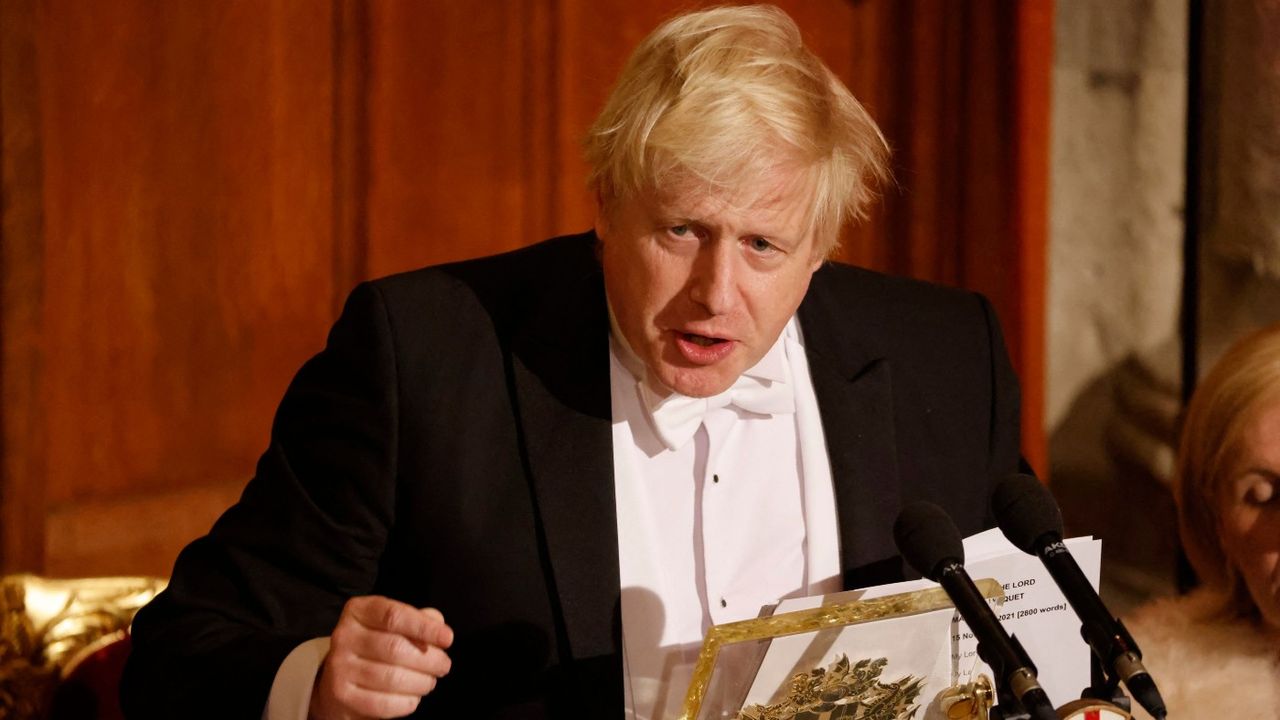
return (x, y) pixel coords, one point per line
(698, 382)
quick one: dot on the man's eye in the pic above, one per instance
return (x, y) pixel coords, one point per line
(680, 230)
(761, 245)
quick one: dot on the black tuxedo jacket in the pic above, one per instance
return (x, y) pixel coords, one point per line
(451, 447)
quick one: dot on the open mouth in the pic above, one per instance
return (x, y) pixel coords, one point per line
(703, 349)
(702, 340)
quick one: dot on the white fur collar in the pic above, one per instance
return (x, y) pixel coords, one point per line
(1207, 666)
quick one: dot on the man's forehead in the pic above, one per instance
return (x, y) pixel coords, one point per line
(777, 198)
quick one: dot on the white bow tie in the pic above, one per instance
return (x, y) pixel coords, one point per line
(676, 417)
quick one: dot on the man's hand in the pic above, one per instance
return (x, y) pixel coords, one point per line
(383, 657)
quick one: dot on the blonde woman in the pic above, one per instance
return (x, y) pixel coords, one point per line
(1216, 651)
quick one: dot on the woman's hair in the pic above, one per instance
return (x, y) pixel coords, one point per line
(725, 96)
(1227, 401)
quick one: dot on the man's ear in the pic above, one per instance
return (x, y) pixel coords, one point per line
(820, 258)
(602, 217)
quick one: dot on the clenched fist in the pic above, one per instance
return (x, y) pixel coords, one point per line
(383, 657)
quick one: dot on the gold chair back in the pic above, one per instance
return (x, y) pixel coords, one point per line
(49, 626)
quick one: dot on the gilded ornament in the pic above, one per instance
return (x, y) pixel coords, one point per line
(47, 627)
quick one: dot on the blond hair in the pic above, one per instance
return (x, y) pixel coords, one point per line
(725, 96)
(1241, 384)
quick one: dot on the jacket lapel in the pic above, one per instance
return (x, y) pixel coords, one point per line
(560, 368)
(853, 384)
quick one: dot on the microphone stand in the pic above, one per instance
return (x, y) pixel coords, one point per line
(1103, 694)
(1007, 707)
(1107, 695)
(1105, 687)
(1104, 691)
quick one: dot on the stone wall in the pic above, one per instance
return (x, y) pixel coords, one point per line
(1115, 259)
(1115, 271)
(1240, 185)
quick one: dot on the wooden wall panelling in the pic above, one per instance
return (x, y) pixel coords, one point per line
(188, 255)
(873, 84)
(594, 41)
(541, 88)
(21, 278)
(351, 58)
(460, 108)
(215, 175)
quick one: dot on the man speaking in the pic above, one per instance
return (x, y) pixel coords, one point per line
(524, 486)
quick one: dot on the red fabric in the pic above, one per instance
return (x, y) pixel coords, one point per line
(92, 691)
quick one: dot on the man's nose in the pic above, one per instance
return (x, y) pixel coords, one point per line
(712, 280)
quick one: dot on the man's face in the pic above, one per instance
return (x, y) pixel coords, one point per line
(701, 286)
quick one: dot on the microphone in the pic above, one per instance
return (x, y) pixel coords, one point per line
(1030, 519)
(930, 543)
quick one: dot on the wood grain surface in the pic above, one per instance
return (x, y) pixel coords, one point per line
(192, 188)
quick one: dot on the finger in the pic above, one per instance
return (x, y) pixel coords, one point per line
(385, 678)
(390, 649)
(387, 615)
(374, 704)
(443, 633)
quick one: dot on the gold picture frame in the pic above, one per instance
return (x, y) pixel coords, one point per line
(827, 617)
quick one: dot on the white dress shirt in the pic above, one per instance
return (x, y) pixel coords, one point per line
(716, 524)
(739, 516)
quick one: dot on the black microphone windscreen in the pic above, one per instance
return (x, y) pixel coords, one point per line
(1025, 510)
(926, 536)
